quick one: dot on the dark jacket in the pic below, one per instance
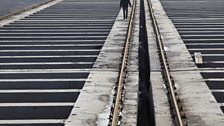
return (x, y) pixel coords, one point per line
(125, 3)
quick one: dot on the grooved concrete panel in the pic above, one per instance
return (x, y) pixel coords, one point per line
(9, 6)
(46, 56)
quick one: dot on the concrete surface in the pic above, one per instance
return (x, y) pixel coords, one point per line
(161, 104)
(55, 114)
(93, 105)
(131, 87)
(199, 104)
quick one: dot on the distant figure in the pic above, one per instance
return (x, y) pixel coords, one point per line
(124, 4)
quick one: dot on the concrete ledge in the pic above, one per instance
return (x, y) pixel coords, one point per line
(131, 87)
(161, 104)
(199, 104)
(93, 105)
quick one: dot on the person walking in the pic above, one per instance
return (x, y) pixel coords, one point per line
(124, 4)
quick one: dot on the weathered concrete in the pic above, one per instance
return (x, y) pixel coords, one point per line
(199, 104)
(130, 110)
(93, 105)
(161, 104)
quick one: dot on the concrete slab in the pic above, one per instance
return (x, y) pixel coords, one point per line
(93, 105)
(199, 104)
(131, 87)
(161, 104)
